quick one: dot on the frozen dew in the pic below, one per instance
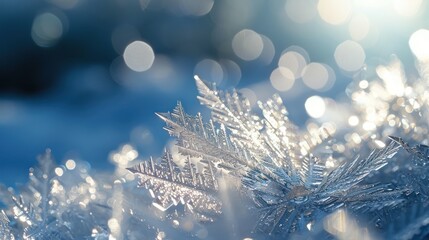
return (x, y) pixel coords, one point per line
(353, 120)
(359, 27)
(282, 79)
(139, 56)
(407, 8)
(195, 7)
(349, 56)
(419, 44)
(334, 12)
(70, 164)
(125, 155)
(315, 106)
(300, 11)
(47, 29)
(364, 84)
(315, 76)
(247, 45)
(59, 171)
(209, 69)
(294, 61)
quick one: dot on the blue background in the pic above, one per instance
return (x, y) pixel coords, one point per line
(67, 97)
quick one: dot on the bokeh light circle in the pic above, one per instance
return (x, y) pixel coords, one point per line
(349, 56)
(210, 70)
(300, 11)
(315, 106)
(315, 76)
(139, 56)
(334, 12)
(196, 7)
(359, 27)
(419, 44)
(407, 8)
(247, 44)
(268, 50)
(294, 61)
(47, 29)
(282, 79)
(231, 72)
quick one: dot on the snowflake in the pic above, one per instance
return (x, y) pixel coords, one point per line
(279, 166)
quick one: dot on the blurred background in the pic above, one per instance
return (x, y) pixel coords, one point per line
(84, 76)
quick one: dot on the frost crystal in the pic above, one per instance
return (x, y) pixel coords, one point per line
(5, 231)
(36, 206)
(391, 104)
(55, 204)
(171, 186)
(282, 169)
(303, 184)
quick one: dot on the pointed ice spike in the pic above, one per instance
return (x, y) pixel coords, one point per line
(179, 113)
(5, 229)
(311, 172)
(190, 171)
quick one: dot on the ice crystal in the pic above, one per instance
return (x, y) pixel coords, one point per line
(35, 208)
(171, 186)
(137, 214)
(286, 203)
(412, 169)
(301, 182)
(391, 104)
(5, 230)
(282, 169)
(55, 204)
